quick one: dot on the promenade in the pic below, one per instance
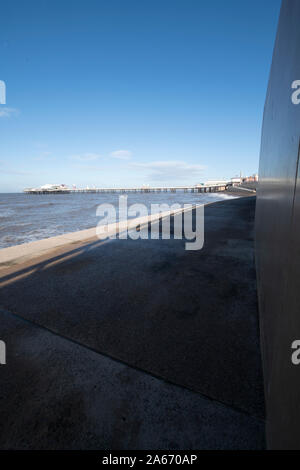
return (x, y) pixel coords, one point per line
(123, 344)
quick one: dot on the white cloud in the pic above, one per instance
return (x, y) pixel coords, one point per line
(15, 172)
(121, 154)
(170, 170)
(8, 112)
(44, 156)
(86, 157)
(90, 167)
(4, 170)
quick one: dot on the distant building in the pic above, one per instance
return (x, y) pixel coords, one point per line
(48, 188)
(53, 187)
(215, 182)
(236, 180)
(250, 179)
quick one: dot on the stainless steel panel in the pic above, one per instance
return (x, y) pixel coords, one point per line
(278, 235)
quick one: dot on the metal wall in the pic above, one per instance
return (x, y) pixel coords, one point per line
(278, 236)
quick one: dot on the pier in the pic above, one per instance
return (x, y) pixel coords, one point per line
(142, 189)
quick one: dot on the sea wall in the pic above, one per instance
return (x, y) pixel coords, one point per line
(135, 344)
(27, 251)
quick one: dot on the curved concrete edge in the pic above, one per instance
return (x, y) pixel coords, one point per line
(18, 254)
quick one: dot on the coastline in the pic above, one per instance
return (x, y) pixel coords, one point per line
(18, 254)
(130, 334)
(26, 219)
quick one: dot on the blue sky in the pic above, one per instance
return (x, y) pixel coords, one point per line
(126, 92)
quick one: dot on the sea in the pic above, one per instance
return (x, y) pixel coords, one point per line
(26, 218)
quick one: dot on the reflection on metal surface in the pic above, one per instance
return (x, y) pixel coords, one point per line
(278, 235)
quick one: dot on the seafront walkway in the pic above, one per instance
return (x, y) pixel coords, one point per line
(135, 344)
